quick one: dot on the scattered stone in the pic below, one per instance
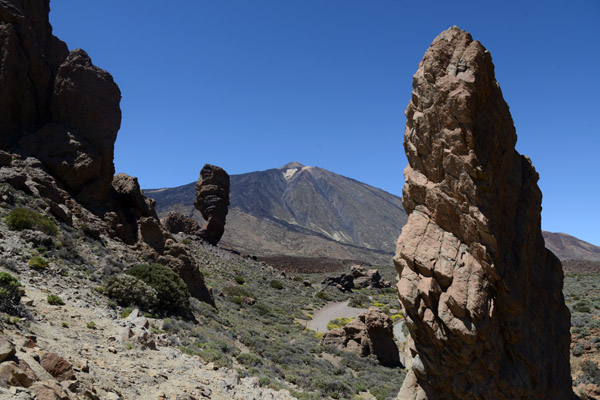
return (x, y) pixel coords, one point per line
(482, 296)
(371, 332)
(212, 200)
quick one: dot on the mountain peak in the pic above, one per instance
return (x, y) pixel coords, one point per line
(292, 164)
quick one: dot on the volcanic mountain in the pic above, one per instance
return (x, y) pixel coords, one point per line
(301, 211)
(305, 211)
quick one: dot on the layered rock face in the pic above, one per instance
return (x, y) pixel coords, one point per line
(372, 332)
(212, 200)
(56, 105)
(482, 295)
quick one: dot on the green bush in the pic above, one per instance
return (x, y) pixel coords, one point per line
(591, 373)
(249, 359)
(9, 293)
(323, 296)
(24, 218)
(239, 280)
(233, 291)
(359, 301)
(173, 295)
(38, 262)
(276, 284)
(54, 300)
(128, 290)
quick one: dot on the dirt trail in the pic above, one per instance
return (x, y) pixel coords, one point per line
(331, 311)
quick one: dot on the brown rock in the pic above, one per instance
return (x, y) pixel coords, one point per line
(48, 391)
(212, 200)
(7, 349)
(56, 106)
(176, 222)
(16, 373)
(481, 294)
(371, 332)
(57, 366)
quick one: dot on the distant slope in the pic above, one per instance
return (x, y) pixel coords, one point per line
(302, 211)
(567, 247)
(311, 212)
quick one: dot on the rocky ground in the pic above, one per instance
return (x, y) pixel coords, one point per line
(89, 333)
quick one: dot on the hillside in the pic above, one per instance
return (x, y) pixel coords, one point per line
(301, 211)
(567, 247)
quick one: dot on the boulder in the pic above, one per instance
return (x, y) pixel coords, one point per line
(7, 349)
(16, 373)
(372, 332)
(212, 200)
(482, 296)
(57, 366)
(176, 222)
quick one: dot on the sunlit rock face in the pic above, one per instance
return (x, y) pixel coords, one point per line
(481, 294)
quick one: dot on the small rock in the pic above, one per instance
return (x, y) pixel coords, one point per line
(84, 365)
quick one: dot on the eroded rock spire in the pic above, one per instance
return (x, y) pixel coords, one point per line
(481, 293)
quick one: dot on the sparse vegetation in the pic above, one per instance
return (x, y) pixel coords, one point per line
(55, 300)
(338, 323)
(38, 262)
(128, 290)
(276, 284)
(9, 293)
(24, 218)
(172, 293)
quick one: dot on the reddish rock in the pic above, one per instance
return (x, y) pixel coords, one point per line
(7, 349)
(212, 200)
(57, 366)
(481, 294)
(16, 373)
(176, 222)
(372, 332)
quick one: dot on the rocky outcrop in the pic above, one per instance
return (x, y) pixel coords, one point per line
(58, 124)
(357, 278)
(56, 105)
(176, 222)
(481, 294)
(372, 332)
(212, 200)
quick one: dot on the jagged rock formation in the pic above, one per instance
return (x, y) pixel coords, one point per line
(176, 222)
(59, 117)
(372, 332)
(56, 105)
(482, 295)
(212, 200)
(357, 278)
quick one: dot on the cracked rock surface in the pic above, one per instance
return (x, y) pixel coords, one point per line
(481, 293)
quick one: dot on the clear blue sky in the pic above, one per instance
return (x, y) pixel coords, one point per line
(253, 84)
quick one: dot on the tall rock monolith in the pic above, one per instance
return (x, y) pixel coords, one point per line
(481, 293)
(212, 200)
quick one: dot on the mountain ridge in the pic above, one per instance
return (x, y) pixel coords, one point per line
(308, 211)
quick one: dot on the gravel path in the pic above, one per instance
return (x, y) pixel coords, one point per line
(331, 311)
